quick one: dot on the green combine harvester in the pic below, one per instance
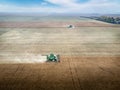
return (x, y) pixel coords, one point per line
(53, 58)
(71, 26)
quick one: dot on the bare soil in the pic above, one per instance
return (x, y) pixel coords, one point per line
(72, 73)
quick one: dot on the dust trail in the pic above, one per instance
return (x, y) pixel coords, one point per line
(22, 58)
(12, 37)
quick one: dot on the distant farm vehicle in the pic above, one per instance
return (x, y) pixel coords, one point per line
(71, 26)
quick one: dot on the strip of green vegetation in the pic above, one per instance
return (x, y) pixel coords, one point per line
(108, 19)
(113, 20)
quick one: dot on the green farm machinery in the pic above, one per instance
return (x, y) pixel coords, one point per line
(53, 58)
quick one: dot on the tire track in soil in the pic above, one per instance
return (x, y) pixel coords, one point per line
(17, 71)
(78, 77)
(108, 71)
(70, 69)
(74, 75)
(18, 76)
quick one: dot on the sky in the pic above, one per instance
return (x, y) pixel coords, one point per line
(61, 6)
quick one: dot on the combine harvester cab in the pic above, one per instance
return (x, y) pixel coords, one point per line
(53, 58)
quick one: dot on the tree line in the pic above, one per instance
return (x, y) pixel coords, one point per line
(113, 20)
